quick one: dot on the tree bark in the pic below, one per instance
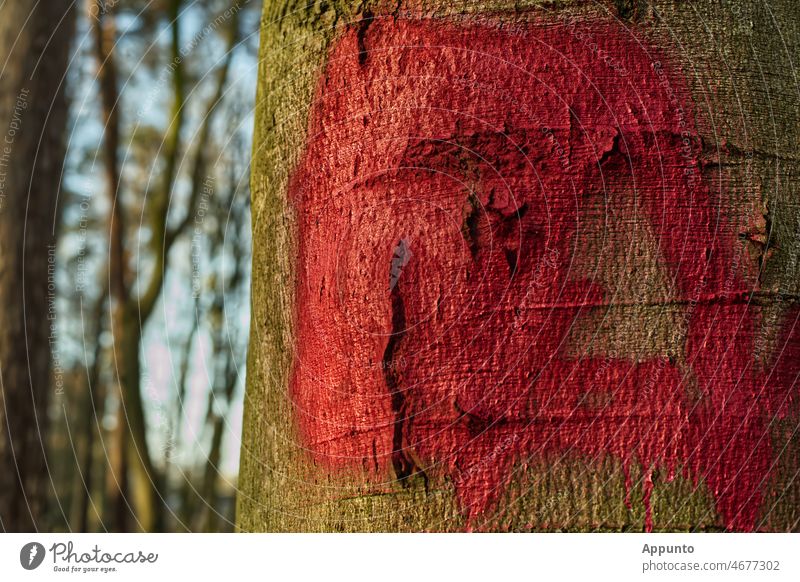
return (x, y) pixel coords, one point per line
(606, 338)
(34, 47)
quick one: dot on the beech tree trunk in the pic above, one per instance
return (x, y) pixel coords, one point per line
(524, 266)
(34, 49)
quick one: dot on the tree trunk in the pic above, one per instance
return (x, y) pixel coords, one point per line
(524, 266)
(34, 48)
(84, 509)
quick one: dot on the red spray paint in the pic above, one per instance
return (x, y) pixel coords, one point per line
(446, 190)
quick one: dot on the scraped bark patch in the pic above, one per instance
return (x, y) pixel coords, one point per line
(452, 175)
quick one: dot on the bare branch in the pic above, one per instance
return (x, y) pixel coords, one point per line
(163, 236)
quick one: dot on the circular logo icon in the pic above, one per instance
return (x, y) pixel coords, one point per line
(31, 555)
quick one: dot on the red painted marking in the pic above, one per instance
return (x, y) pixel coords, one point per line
(447, 186)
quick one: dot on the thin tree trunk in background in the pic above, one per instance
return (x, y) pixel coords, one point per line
(201, 506)
(35, 42)
(206, 517)
(91, 416)
(520, 267)
(117, 507)
(117, 511)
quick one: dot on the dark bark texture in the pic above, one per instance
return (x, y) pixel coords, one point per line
(34, 50)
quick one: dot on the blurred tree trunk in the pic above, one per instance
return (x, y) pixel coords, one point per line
(224, 341)
(117, 506)
(737, 56)
(89, 418)
(35, 40)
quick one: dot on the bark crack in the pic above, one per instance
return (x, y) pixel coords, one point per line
(361, 34)
(404, 465)
(470, 225)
